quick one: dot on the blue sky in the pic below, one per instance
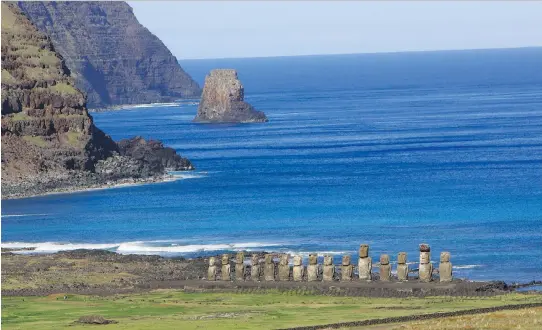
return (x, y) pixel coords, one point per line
(209, 29)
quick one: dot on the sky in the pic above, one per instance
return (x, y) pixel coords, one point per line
(223, 29)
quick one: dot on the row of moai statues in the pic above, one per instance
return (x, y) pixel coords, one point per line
(328, 272)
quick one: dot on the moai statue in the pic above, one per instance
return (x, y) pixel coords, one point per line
(213, 269)
(312, 268)
(329, 268)
(298, 269)
(365, 263)
(402, 267)
(385, 268)
(445, 267)
(426, 267)
(284, 268)
(347, 269)
(255, 269)
(269, 268)
(240, 266)
(226, 268)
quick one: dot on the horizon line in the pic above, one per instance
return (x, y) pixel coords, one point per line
(366, 53)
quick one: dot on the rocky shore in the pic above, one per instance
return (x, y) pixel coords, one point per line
(79, 182)
(49, 141)
(105, 272)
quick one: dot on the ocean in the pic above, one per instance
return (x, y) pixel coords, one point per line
(392, 150)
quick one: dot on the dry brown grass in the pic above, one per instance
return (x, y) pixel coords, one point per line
(518, 319)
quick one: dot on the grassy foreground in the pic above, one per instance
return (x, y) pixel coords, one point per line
(521, 319)
(170, 309)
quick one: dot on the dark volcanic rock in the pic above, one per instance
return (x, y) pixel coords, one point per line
(115, 59)
(49, 141)
(223, 100)
(95, 319)
(154, 156)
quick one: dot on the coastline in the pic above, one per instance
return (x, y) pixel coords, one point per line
(104, 272)
(121, 183)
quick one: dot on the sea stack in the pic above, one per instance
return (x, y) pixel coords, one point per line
(222, 100)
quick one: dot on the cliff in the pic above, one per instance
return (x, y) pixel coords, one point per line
(49, 141)
(223, 100)
(113, 58)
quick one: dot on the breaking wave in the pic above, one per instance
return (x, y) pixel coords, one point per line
(466, 266)
(138, 247)
(22, 215)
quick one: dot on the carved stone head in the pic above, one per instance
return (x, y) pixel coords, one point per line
(284, 258)
(425, 257)
(240, 257)
(225, 259)
(384, 259)
(212, 261)
(445, 257)
(328, 260)
(363, 250)
(424, 247)
(402, 258)
(313, 259)
(347, 259)
(255, 259)
(298, 261)
(269, 258)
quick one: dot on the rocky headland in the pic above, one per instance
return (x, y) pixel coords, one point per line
(113, 58)
(49, 141)
(223, 100)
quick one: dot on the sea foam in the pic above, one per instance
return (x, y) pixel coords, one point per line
(137, 247)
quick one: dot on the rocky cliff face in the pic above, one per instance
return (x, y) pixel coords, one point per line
(49, 140)
(223, 100)
(45, 124)
(113, 58)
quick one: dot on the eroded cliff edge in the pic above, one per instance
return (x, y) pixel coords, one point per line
(113, 58)
(222, 100)
(49, 141)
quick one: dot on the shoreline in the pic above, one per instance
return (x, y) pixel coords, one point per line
(29, 252)
(103, 272)
(122, 183)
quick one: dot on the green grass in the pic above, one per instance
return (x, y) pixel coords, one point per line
(73, 138)
(64, 89)
(169, 309)
(7, 78)
(36, 140)
(19, 116)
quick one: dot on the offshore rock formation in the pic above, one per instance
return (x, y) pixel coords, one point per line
(223, 100)
(49, 141)
(113, 58)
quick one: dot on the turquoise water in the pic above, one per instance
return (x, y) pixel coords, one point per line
(387, 149)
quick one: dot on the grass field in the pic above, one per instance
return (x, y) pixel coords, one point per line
(169, 309)
(528, 319)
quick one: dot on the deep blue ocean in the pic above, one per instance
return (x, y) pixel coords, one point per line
(387, 149)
